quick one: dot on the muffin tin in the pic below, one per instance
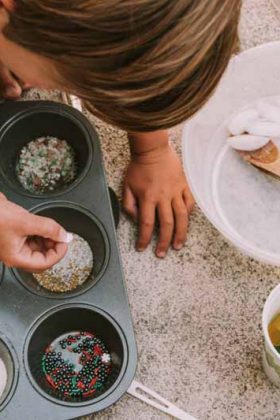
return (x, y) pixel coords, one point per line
(32, 317)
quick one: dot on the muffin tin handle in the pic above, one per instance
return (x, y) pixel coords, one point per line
(150, 397)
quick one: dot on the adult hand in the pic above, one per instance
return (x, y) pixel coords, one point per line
(28, 241)
(155, 185)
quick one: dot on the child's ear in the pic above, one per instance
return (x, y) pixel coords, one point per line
(4, 13)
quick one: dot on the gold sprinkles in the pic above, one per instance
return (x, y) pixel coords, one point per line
(72, 271)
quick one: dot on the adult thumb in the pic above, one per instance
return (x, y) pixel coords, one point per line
(47, 228)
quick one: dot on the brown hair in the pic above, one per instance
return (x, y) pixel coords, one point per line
(143, 65)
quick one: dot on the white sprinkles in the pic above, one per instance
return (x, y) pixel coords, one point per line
(72, 271)
(46, 164)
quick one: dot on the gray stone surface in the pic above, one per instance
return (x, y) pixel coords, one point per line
(197, 314)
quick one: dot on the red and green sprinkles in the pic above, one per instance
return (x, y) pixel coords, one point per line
(76, 365)
(45, 165)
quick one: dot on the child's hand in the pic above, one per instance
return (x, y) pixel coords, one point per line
(10, 86)
(27, 241)
(155, 184)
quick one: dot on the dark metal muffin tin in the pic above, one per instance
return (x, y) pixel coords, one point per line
(31, 317)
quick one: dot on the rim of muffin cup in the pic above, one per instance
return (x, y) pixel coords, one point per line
(8, 356)
(25, 127)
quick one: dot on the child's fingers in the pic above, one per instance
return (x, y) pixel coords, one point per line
(10, 88)
(181, 222)
(166, 226)
(3, 197)
(146, 224)
(130, 203)
(189, 199)
(23, 85)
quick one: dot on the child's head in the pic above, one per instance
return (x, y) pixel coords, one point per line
(140, 64)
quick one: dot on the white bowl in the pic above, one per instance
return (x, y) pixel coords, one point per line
(250, 76)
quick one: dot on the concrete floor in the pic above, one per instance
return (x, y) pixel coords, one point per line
(197, 314)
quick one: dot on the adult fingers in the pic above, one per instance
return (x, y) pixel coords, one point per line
(46, 228)
(166, 226)
(34, 244)
(49, 243)
(10, 88)
(181, 222)
(146, 224)
(35, 261)
(129, 203)
(37, 243)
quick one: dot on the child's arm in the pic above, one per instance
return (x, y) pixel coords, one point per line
(27, 241)
(155, 184)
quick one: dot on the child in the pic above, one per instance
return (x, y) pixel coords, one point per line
(143, 65)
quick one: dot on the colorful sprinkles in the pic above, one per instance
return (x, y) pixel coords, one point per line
(72, 271)
(46, 164)
(76, 364)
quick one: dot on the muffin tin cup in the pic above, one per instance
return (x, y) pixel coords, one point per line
(89, 228)
(30, 125)
(83, 318)
(8, 356)
(32, 316)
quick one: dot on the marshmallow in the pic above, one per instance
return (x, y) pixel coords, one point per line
(268, 111)
(247, 142)
(264, 128)
(240, 122)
